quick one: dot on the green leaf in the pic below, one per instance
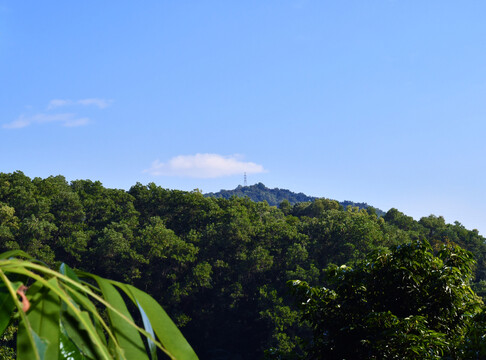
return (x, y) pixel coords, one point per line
(24, 324)
(65, 321)
(40, 344)
(44, 317)
(148, 327)
(166, 331)
(67, 271)
(26, 349)
(76, 321)
(128, 337)
(77, 332)
(14, 253)
(67, 349)
(7, 305)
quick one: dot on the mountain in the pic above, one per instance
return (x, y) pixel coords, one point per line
(259, 192)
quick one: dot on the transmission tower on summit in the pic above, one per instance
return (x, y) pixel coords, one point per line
(245, 183)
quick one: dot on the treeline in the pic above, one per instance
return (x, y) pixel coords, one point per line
(218, 266)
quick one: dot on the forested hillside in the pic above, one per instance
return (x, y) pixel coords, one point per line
(218, 266)
(259, 192)
(274, 197)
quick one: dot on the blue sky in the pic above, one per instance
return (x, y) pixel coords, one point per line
(378, 101)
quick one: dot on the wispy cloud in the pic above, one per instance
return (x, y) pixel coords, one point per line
(66, 119)
(204, 166)
(70, 119)
(100, 103)
(58, 103)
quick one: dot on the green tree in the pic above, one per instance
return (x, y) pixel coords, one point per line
(406, 303)
(399, 219)
(9, 224)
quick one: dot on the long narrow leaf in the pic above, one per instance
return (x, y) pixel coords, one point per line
(7, 305)
(24, 325)
(67, 349)
(67, 271)
(73, 291)
(167, 332)
(82, 317)
(25, 351)
(78, 297)
(128, 337)
(44, 317)
(150, 330)
(14, 253)
(71, 285)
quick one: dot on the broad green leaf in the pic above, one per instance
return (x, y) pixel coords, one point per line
(95, 320)
(78, 296)
(128, 337)
(24, 324)
(41, 345)
(77, 333)
(67, 271)
(29, 344)
(78, 323)
(79, 317)
(168, 334)
(44, 317)
(148, 327)
(25, 350)
(67, 349)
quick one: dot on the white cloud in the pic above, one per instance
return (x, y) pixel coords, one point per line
(19, 123)
(100, 103)
(58, 103)
(66, 119)
(204, 166)
(76, 122)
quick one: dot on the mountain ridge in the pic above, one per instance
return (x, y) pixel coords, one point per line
(259, 192)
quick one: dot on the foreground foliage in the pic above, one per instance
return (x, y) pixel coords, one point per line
(406, 303)
(59, 315)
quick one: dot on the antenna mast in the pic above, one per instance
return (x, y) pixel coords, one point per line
(244, 180)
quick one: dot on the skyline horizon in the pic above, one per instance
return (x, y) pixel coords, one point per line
(360, 201)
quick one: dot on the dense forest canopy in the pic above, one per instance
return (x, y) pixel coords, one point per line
(219, 266)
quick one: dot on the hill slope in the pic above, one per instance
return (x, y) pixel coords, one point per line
(259, 192)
